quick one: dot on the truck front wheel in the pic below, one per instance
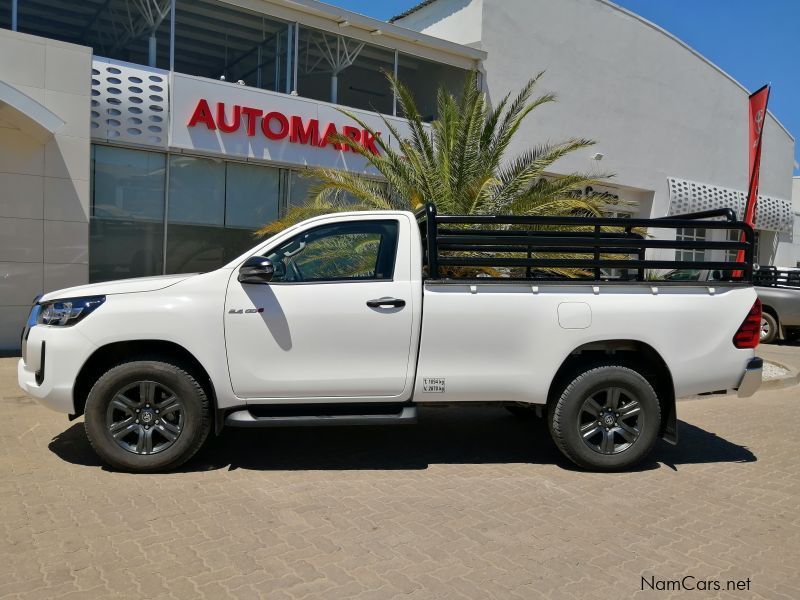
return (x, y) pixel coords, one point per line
(606, 419)
(147, 415)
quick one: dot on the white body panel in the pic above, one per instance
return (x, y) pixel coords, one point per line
(319, 342)
(505, 342)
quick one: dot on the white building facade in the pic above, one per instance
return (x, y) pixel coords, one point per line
(670, 125)
(150, 137)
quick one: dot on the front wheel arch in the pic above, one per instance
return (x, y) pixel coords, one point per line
(147, 415)
(108, 356)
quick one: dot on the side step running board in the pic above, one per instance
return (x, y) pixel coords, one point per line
(245, 418)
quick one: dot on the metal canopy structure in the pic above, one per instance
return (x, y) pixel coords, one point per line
(217, 39)
(331, 54)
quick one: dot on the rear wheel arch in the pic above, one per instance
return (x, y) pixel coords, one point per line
(768, 309)
(634, 354)
(775, 329)
(110, 355)
(607, 418)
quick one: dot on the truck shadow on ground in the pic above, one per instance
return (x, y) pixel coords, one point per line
(442, 436)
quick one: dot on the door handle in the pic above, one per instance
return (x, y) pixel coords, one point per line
(381, 302)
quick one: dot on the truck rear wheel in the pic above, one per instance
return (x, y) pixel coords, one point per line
(606, 419)
(147, 415)
(769, 328)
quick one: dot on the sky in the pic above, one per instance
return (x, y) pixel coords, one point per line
(754, 41)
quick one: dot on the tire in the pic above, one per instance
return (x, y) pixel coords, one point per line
(573, 418)
(769, 328)
(132, 394)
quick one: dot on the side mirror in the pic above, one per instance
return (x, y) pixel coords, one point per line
(256, 269)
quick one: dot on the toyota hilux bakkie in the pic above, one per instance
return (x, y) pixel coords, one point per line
(360, 318)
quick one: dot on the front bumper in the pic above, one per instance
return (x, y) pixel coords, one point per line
(751, 380)
(52, 359)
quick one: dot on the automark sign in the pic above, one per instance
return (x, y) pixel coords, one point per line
(275, 125)
(227, 119)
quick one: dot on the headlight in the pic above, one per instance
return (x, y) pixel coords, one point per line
(64, 313)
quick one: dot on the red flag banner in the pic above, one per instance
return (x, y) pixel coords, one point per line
(758, 115)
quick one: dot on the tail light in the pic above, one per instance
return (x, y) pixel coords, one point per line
(749, 331)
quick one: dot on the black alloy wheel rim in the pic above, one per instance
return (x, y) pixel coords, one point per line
(145, 417)
(610, 420)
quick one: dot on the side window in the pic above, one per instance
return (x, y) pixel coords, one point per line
(352, 251)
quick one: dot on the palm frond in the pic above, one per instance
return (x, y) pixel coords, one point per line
(460, 161)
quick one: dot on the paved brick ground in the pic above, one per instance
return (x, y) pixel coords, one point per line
(468, 504)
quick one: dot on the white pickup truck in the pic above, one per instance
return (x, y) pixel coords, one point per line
(359, 318)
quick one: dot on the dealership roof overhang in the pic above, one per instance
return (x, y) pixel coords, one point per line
(376, 27)
(772, 214)
(211, 31)
(26, 114)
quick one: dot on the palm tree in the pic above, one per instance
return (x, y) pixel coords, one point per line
(459, 161)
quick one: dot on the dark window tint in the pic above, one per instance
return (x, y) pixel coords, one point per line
(343, 70)
(215, 39)
(127, 219)
(362, 250)
(424, 78)
(214, 208)
(252, 195)
(196, 191)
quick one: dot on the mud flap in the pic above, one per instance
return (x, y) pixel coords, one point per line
(669, 426)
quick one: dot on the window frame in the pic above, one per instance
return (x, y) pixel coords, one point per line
(691, 234)
(394, 222)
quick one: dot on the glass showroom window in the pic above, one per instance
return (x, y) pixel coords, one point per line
(342, 70)
(5, 14)
(217, 40)
(214, 208)
(127, 213)
(423, 78)
(300, 185)
(196, 214)
(252, 199)
(136, 32)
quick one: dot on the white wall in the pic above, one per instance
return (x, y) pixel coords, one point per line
(788, 254)
(454, 20)
(655, 108)
(44, 184)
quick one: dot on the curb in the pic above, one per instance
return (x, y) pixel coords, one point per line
(792, 379)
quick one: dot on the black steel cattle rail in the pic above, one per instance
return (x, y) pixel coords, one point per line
(769, 276)
(508, 242)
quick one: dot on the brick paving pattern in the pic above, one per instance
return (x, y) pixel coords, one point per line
(467, 504)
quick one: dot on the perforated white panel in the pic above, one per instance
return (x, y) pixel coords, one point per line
(686, 196)
(129, 103)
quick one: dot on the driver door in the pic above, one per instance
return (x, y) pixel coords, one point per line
(310, 332)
